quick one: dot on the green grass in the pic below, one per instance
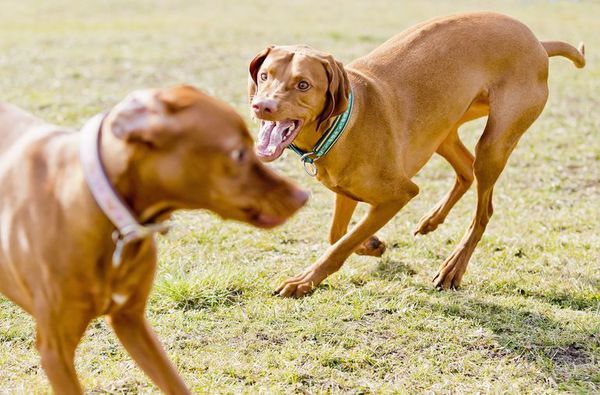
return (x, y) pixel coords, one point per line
(528, 316)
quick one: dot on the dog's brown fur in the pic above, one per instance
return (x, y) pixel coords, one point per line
(411, 95)
(163, 150)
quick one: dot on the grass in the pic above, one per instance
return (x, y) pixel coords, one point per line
(527, 319)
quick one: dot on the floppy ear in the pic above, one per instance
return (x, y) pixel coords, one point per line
(179, 98)
(253, 70)
(337, 92)
(140, 118)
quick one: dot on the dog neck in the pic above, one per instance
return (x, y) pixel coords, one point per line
(113, 188)
(310, 140)
(128, 229)
(120, 160)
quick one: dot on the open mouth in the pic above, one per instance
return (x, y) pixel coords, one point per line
(274, 137)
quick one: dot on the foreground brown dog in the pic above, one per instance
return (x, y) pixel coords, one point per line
(162, 150)
(410, 97)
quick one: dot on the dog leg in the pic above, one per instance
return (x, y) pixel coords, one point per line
(377, 216)
(342, 214)
(453, 150)
(344, 207)
(58, 335)
(501, 134)
(139, 340)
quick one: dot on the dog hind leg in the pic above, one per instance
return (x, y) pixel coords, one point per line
(512, 111)
(453, 150)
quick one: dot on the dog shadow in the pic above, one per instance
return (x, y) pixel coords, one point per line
(577, 301)
(562, 350)
(389, 269)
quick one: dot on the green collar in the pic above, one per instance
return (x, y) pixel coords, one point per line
(326, 142)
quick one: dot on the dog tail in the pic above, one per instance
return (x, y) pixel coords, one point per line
(559, 48)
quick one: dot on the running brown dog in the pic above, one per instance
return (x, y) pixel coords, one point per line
(411, 95)
(159, 151)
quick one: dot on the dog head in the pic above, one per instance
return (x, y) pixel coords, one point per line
(187, 150)
(293, 90)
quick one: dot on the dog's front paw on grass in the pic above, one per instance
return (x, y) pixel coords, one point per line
(300, 285)
(372, 247)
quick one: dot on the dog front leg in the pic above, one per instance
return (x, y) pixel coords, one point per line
(344, 208)
(138, 338)
(333, 259)
(58, 334)
(342, 214)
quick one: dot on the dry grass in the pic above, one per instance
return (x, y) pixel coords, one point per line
(528, 316)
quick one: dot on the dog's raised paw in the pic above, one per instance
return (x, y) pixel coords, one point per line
(427, 224)
(372, 247)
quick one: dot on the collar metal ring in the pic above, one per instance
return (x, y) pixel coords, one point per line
(310, 168)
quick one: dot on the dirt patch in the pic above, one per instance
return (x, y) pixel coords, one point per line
(573, 354)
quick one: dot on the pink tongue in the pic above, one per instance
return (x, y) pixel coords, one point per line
(271, 135)
(264, 136)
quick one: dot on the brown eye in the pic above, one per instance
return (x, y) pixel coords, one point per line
(303, 85)
(238, 155)
(263, 76)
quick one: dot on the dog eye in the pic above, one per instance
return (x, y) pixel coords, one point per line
(263, 76)
(303, 85)
(238, 155)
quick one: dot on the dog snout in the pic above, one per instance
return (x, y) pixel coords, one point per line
(299, 197)
(289, 199)
(262, 107)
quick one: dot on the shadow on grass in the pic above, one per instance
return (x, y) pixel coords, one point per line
(186, 296)
(583, 301)
(209, 300)
(586, 302)
(570, 354)
(392, 270)
(124, 386)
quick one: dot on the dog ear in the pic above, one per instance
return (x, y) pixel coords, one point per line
(338, 91)
(179, 97)
(141, 118)
(253, 70)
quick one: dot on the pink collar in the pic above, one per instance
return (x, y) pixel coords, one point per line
(128, 228)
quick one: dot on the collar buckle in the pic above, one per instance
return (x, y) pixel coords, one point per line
(122, 238)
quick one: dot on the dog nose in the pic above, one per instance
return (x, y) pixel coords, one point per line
(300, 196)
(264, 106)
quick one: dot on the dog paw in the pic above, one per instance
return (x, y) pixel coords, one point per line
(427, 224)
(451, 272)
(372, 247)
(299, 286)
